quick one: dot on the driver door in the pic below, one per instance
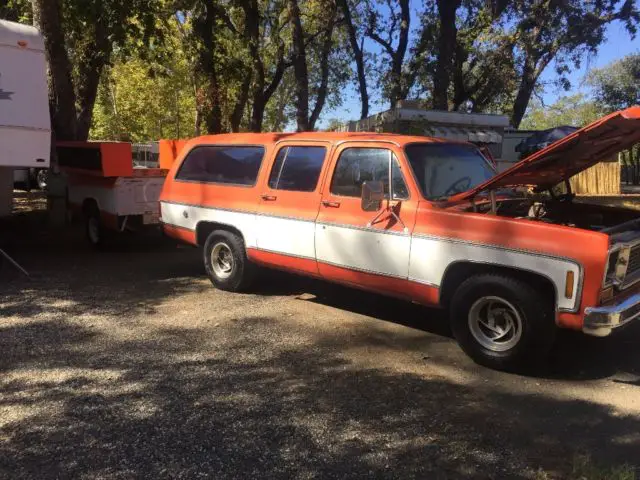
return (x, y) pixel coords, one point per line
(366, 249)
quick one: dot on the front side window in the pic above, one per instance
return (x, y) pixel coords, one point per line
(358, 165)
(232, 164)
(446, 169)
(297, 168)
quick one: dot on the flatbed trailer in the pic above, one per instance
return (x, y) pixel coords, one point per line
(107, 191)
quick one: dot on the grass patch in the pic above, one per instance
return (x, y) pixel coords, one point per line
(584, 468)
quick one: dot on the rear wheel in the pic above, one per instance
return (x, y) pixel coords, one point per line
(502, 322)
(226, 262)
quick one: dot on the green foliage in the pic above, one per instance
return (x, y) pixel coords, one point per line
(575, 110)
(16, 11)
(617, 85)
(142, 99)
(177, 67)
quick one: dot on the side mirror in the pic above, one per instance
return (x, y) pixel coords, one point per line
(372, 196)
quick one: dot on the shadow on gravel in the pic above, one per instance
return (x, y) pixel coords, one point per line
(257, 409)
(238, 401)
(574, 357)
(69, 278)
(431, 320)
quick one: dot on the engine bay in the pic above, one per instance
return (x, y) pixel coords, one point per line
(564, 211)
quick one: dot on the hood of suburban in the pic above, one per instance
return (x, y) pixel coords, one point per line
(570, 155)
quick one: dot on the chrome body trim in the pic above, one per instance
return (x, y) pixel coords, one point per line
(601, 321)
(361, 270)
(624, 283)
(363, 228)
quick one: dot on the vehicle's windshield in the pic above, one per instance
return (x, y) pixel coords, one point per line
(445, 169)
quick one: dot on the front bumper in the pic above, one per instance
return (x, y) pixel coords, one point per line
(600, 321)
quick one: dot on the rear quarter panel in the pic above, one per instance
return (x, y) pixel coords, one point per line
(184, 204)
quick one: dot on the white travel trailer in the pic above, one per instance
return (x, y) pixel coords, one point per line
(25, 127)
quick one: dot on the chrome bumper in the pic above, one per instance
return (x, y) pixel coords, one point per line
(600, 321)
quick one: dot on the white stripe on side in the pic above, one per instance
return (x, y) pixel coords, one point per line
(363, 249)
(430, 258)
(188, 216)
(287, 236)
(419, 259)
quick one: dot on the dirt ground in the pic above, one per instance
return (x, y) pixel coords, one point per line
(129, 364)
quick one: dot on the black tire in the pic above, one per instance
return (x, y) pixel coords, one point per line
(241, 273)
(94, 230)
(514, 302)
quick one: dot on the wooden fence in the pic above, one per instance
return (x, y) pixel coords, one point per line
(601, 179)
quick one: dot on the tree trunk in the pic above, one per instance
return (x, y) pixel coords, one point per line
(460, 95)
(258, 111)
(62, 98)
(197, 123)
(252, 38)
(324, 69)
(300, 68)
(446, 46)
(98, 54)
(358, 58)
(397, 60)
(261, 98)
(530, 73)
(241, 103)
(204, 24)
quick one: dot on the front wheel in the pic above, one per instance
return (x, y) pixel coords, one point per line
(226, 262)
(502, 322)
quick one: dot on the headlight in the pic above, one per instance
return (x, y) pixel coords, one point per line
(617, 266)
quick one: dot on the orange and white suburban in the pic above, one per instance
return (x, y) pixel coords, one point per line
(423, 219)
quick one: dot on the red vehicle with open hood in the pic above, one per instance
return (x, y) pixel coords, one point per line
(423, 219)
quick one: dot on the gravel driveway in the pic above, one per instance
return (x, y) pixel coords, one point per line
(128, 364)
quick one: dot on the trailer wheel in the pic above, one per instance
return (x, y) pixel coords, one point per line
(93, 227)
(41, 179)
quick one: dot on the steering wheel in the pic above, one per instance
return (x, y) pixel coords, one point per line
(456, 187)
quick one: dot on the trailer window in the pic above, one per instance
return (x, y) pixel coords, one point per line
(231, 164)
(297, 168)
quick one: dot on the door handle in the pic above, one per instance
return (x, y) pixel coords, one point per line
(268, 198)
(328, 204)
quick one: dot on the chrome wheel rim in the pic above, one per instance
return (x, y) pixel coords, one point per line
(495, 324)
(94, 230)
(42, 179)
(222, 260)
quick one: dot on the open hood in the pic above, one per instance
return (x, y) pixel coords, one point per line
(570, 155)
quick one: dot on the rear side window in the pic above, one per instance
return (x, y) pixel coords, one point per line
(237, 165)
(358, 165)
(297, 168)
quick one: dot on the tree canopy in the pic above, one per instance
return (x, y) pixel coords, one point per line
(617, 85)
(143, 69)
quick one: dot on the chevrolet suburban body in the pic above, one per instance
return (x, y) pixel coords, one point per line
(422, 219)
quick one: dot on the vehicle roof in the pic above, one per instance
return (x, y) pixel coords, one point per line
(331, 137)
